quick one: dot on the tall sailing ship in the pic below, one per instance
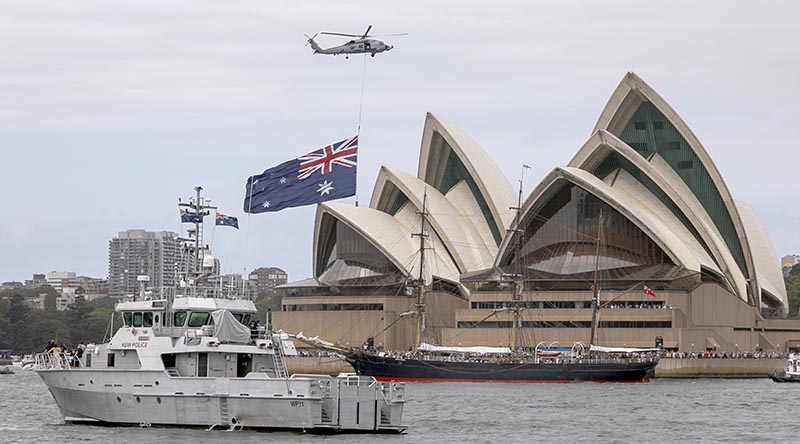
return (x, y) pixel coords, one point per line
(426, 362)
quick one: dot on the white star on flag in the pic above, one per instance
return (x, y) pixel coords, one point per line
(325, 188)
(282, 180)
(266, 204)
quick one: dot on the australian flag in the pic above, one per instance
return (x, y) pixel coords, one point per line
(227, 220)
(325, 174)
(191, 217)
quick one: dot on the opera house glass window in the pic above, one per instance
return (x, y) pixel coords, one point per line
(350, 259)
(559, 242)
(650, 132)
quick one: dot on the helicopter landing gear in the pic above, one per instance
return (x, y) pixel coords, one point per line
(347, 57)
(373, 54)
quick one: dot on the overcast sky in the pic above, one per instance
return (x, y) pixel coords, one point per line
(111, 110)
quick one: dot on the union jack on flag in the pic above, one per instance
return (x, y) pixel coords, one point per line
(343, 153)
(295, 183)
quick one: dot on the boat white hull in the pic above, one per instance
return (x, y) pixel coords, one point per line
(153, 398)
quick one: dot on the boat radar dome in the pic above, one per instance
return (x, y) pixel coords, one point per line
(208, 261)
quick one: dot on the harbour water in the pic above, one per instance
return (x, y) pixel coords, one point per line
(662, 411)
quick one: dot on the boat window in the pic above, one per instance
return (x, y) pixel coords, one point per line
(137, 319)
(110, 360)
(238, 316)
(147, 319)
(246, 320)
(198, 319)
(180, 319)
(156, 321)
(127, 318)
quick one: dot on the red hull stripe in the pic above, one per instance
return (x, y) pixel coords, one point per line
(387, 378)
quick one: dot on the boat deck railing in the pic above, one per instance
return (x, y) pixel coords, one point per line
(197, 291)
(59, 361)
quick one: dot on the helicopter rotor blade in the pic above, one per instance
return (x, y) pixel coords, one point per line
(389, 35)
(366, 33)
(339, 33)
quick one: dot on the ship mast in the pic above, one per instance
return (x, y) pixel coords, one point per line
(596, 282)
(419, 306)
(517, 277)
(198, 208)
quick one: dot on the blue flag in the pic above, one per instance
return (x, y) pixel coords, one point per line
(227, 220)
(325, 174)
(190, 216)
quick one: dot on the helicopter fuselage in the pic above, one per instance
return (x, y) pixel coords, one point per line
(357, 46)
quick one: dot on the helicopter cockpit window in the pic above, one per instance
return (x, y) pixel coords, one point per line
(127, 318)
(147, 319)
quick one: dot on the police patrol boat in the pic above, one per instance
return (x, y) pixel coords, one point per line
(187, 357)
(789, 374)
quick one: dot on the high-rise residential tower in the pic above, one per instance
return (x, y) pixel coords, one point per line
(134, 253)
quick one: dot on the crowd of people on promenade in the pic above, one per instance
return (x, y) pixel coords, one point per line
(314, 353)
(647, 305)
(723, 355)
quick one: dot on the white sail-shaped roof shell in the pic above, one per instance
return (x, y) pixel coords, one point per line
(383, 231)
(764, 258)
(624, 102)
(646, 220)
(493, 186)
(603, 142)
(463, 241)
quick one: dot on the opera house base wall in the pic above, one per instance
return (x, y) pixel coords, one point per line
(343, 322)
(717, 368)
(708, 318)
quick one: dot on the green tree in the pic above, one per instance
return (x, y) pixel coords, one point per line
(15, 332)
(793, 289)
(50, 303)
(78, 317)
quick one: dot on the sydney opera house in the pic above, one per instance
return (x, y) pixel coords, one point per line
(669, 225)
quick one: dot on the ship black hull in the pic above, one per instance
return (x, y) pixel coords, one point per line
(386, 368)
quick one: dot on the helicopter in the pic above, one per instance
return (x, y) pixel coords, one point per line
(359, 45)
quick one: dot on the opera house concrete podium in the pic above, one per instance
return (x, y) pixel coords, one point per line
(669, 222)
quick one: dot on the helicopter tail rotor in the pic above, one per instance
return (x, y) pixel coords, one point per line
(312, 42)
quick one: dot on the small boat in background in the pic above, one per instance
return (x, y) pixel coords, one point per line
(6, 370)
(790, 373)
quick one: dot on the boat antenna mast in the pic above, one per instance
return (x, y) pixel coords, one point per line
(596, 282)
(419, 305)
(198, 208)
(516, 307)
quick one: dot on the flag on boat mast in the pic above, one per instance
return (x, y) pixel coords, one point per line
(191, 217)
(646, 290)
(325, 174)
(229, 221)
